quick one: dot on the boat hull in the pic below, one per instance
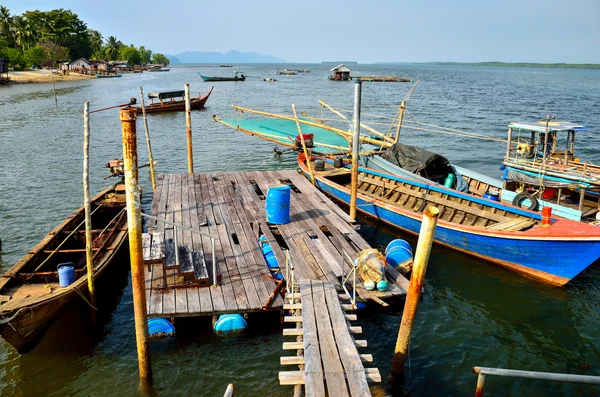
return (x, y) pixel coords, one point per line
(176, 106)
(552, 260)
(209, 78)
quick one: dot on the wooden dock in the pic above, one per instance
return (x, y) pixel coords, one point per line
(327, 351)
(230, 207)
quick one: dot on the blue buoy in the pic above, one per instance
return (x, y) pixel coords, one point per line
(160, 327)
(230, 324)
(66, 274)
(397, 252)
(278, 204)
(494, 196)
(268, 253)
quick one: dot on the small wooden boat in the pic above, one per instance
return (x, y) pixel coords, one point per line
(502, 234)
(235, 77)
(107, 76)
(158, 69)
(287, 72)
(164, 105)
(30, 294)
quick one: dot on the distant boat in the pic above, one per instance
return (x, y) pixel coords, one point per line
(164, 105)
(158, 69)
(225, 66)
(287, 72)
(30, 295)
(106, 76)
(235, 77)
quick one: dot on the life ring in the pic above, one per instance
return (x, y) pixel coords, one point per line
(519, 198)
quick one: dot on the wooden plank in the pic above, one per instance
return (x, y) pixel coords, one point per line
(313, 368)
(148, 285)
(157, 247)
(170, 274)
(297, 377)
(351, 361)
(146, 245)
(332, 367)
(299, 360)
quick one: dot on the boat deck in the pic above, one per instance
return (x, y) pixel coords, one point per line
(230, 206)
(327, 355)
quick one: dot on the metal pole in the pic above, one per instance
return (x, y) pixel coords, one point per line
(355, 147)
(553, 376)
(188, 129)
(480, 384)
(150, 157)
(89, 256)
(428, 224)
(134, 225)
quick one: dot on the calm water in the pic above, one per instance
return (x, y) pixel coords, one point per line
(471, 313)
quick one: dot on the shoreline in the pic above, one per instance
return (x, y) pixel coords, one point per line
(26, 77)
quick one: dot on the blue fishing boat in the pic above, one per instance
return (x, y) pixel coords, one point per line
(553, 250)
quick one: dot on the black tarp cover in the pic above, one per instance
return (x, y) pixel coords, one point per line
(419, 161)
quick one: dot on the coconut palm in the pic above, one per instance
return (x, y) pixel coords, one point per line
(23, 32)
(6, 21)
(96, 41)
(113, 46)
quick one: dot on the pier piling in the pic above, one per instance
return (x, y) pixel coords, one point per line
(417, 278)
(188, 129)
(355, 147)
(134, 224)
(89, 258)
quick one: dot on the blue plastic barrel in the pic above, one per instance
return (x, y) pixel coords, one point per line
(494, 196)
(268, 253)
(160, 326)
(397, 252)
(66, 274)
(230, 323)
(278, 204)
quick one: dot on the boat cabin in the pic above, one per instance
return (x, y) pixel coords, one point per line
(340, 72)
(161, 96)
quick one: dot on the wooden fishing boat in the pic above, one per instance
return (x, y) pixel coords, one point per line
(107, 76)
(30, 294)
(235, 77)
(174, 104)
(502, 234)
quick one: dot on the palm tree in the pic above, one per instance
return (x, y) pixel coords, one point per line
(96, 41)
(23, 33)
(112, 48)
(6, 21)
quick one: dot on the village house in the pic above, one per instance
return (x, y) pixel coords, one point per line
(80, 65)
(340, 72)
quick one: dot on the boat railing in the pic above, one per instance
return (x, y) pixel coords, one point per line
(175, 241)
(551, 376)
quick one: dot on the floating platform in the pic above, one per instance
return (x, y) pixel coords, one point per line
(230, 206)
(381, 79)
(327, 353)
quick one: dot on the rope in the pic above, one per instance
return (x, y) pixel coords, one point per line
(84, 298)
(8, 320)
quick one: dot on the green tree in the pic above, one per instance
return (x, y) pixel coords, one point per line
(113, 46)
(23, 32)
(96, 42)
(14, 57)
(6, 21)
(54, 52)
(145, 55)
(34, 56)
(160, 59)
(131, 55)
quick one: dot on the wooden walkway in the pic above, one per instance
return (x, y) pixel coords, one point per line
(327, 351)
(231, 207)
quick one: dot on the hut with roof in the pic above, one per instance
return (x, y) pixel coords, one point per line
(340, 72)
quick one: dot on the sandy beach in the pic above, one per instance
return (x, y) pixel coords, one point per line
(44, 76)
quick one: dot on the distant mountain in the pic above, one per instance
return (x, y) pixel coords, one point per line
(236, 57)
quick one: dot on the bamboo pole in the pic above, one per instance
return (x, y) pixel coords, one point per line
(89, 255)
(415, 287)
(188, 129)
(134, 225)
(306, 155)
(366, 127)
(150, 157)
(400, 118)
(355, 147)
(324, 126)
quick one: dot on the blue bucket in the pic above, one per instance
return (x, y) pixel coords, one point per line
(160, 326)
(278, 204)
(230, 323)
(66, 274)
(397, 252)
(494, 196)
(268, 253)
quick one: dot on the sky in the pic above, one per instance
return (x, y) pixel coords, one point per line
(365, 31)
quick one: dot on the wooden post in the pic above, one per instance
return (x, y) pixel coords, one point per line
(54, 90)
(581, 198)
(355, 147)
(188, 129)
(428, 224)
(150, 157)
(400, 119)
(89, 256)
(134, 224)
(508, 144)
(306, 156)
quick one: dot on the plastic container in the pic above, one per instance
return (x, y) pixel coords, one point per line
(494, 196)
(382, 285)
(230, 323)
(319, 165)
(397, 252)
(369, 285)
(338, 162)
(66, 274)
(268, 253)
(449, 182)
(160, 326)
(278, 204)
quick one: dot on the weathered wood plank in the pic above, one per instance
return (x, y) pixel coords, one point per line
(313, 368)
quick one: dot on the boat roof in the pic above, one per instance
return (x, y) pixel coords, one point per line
(166, 94)
(553, 126)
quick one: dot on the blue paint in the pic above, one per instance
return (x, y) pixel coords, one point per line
(562, 258)
(494, 196)
(278, 204)
(397, 252)
(160, 326)
(66, 274)
(268, 253)
(230, 323)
